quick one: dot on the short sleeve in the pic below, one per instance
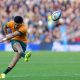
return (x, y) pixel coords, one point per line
(23, 29)
(9, 24)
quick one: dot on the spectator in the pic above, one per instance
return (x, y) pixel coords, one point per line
(36, 13)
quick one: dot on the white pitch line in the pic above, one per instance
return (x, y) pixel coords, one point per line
(46, 62)
(63, 75)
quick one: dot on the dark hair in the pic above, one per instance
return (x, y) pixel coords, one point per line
(18, 19)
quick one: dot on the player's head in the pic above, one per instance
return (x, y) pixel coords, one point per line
(18, 20)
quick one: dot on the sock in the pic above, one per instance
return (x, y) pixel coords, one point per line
(22, 54)
(7, 70)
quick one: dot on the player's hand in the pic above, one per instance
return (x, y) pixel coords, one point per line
(8, 36)
(2, 40)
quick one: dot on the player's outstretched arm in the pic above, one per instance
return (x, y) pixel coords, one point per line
(10, 36)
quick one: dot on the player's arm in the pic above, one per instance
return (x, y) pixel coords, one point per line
(5, 29)
(21, 31)
(9, 36)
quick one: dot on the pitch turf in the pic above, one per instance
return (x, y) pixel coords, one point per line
(44, 66)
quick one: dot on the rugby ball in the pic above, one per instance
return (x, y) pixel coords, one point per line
(56, 15)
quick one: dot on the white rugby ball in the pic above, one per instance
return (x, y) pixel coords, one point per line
(56, 15)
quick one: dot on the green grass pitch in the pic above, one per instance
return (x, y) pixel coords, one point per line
(43, 65)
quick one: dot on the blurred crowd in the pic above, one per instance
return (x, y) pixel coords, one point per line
(37, 16)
